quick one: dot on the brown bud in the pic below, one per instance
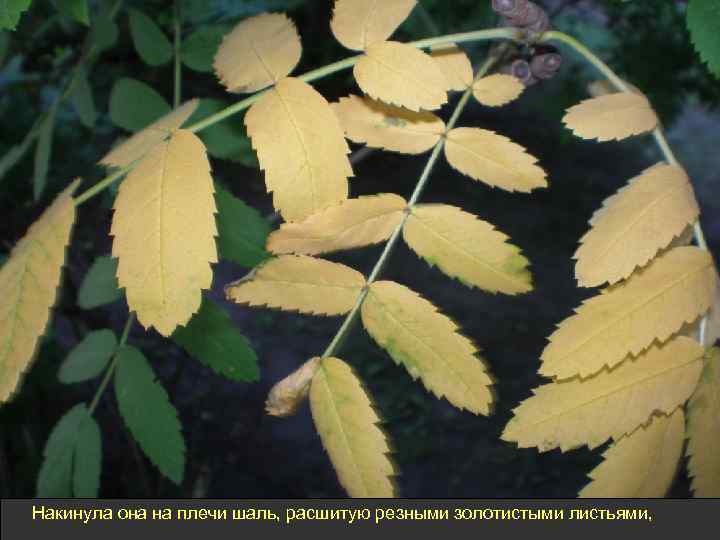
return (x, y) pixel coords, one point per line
(287, 395)
(509, 8)
(544, 66)
(520, 69)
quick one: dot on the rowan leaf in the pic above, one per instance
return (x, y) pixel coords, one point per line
(428, 345)
(300, 283)
(703, 430)
(454, 64)
(257, 53)
(301, 148)
(198, 50)
(357, 24)
(82, 98)
(491, 158)
(612, 116)
(10, 11)
(400, 74)
(635, 224)
(703, 17)
(147, 412)
(28, 287)
(135, 105)
(164, 232)
(100, 285)
(88, 358)
(213, 339)
(87, 460)
(242, 231)
(640, 465)
(348, 427)
(675, 289)
(613, 403)
(466, 248)
(149, 40)
(497, 90)
(143, 141)
(388, 127)
(354, 223)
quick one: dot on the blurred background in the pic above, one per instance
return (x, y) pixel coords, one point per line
(234, 449)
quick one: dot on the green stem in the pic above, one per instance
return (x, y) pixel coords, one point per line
(113, 363)
(351, 317)
(658, 133)
(477, 35)
(176, 46)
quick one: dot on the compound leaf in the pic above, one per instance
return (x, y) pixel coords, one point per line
(612, 116)
(164, 232)
(428, 345)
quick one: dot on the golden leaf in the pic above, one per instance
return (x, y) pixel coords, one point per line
(300, 283)
(467, 248)
(357, 24)
(613, 403)
(257, 53)
(144, 140)
(494, 159)
(612, 116)
(635, 224)
(703, 430)
(348, 427)
(454, 64)
(642, 464)
(164, 232)
(498, 89)
(385, 126)
(352, 224)
(427, 343)
(399, 74)
(286, 396)
(28, 283)
(653, 304)
(301, 147)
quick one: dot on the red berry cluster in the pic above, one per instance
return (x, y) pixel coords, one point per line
(542, 62)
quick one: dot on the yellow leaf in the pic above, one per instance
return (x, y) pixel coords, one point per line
(703, 430)
(652, 305)
(286, 396)
(142, 141)
(385, 126)
(360, 23)
(613, 403)
(257, 53)
(498, 89)
(348, 427)
(28, 283)
(164, 232)
(635, 224)
(642, 464)
(301, 147)
(467, 248)
(454, 64)
(494, 159)
(352, 224)
(428, 344)
(612, 116)
(300, 283)
(399, 74)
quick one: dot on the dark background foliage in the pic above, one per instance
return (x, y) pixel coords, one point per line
(234, 448)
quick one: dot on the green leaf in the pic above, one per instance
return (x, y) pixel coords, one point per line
(703, 21)
(10, 11)
(43, 152)
(148, 413)
(75, 9)
(150, 42)
(100, 285)
(134, 105)
(211, 338)
(71, 463)
(89, 357)
(199, 48)
(87, 460)
(242, 231)
(104, 32)
(227, 139)
(82, 98)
